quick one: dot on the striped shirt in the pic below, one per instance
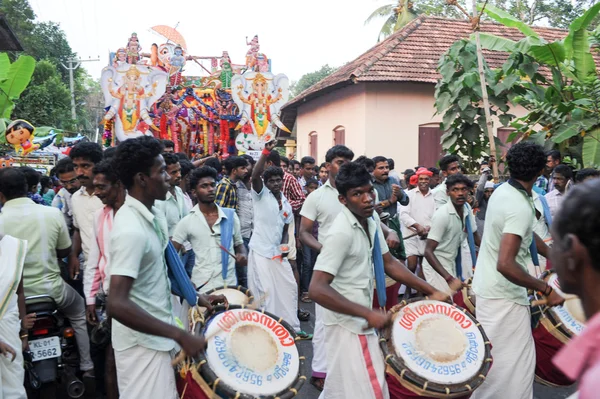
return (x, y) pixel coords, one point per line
(96, 270)
(292, 190)
(226, 195)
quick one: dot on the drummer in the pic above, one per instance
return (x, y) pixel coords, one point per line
(343, 284)
(448, 230)
(501, 278)
(576, 258)
(205, 227)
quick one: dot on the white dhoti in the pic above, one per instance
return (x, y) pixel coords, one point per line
(272, 281)
(145, 373)
(414, 246)
(434, 279)
(508, 327)
(12, 374)
(355, 366)
(319, 362)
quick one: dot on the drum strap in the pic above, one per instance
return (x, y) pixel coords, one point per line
(470, 241)
(379, 270)
(547, 214)
(181, 285)
(226, 226)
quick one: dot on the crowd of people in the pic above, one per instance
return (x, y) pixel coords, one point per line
(350, 234)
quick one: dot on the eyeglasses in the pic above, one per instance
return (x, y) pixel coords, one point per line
(68, 183)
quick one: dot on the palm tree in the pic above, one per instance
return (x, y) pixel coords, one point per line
(397, 16)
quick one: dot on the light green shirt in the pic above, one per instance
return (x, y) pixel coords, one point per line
(205, 243)
(448, 230)
(510, 211)
(322, 206)
(174, 208)
(440, 195)
(347, 255)
(137, 243)
(45, 230)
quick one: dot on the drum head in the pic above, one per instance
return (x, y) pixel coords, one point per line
(251, 353)
(568, 318)
(437, 349)
(236, 295)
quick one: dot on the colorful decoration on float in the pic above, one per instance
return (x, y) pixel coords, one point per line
(20, 135)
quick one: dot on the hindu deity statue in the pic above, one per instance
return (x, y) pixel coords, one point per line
(259, 101)
(262, 63)
(252, 52)
(177, 60)
(120, 57)
(133, 49)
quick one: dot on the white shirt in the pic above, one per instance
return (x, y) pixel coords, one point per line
(137, 244)
(554, 198)
(419, 210)
(62, 201)
(322, 206)
(347, 255)
(84, 208)
(268, 222)
(205, 243)
(440, 194)
(539, 225)
(174, 208)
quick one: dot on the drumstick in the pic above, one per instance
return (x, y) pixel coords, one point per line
(410, 236)
(540, 302)
(226, 251)
(181, 356)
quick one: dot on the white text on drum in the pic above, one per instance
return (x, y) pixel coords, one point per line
(409, 316)
(230, 319)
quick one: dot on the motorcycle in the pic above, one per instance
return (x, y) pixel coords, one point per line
(52, 360)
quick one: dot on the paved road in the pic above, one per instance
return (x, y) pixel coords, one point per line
(310, 392)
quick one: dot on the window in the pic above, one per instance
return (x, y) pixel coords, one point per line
(313, 142)
(430, 147)
(339, 135)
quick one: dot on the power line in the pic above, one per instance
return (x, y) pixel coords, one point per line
(71, 68)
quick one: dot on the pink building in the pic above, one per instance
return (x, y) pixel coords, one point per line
(382, 103)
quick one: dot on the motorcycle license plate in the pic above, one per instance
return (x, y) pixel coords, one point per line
(45, 348)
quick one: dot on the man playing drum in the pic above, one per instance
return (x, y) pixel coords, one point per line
(576, 258)
(354, 255)
(501, 278)
(448, 230)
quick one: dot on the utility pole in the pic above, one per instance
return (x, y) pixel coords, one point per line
(71, 68)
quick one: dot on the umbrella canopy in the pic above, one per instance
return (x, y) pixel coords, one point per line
(171, 34)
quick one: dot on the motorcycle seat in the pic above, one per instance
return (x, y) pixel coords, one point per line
(40, 306)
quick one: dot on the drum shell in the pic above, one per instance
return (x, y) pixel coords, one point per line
(420, 386)
(468, 297)
(546, 346)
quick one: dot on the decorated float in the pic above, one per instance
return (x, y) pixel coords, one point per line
(231, 108)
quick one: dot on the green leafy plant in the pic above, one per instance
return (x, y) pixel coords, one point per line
(14, 78)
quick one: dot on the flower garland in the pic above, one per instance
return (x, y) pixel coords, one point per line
(107, 136)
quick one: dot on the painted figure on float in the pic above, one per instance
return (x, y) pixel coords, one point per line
(260, 97)
(133, 49)
(129, 92)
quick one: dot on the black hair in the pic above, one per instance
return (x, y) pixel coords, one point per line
(286, 161)
(109, 153)
(170, 158)
(107, 169)
(65, 165)
(564, 171)
(13, 183)
(323, 165)
(379, 159)
(458, 178)
(87, 150)
(274, 158)
(186, 167)
(366, 162)
(182, 156)
(272, 171)
(46, 181)
(168, 143)
(32, 176)
(200, 173)
(555, 154)
(213, 163)
(525, 161)
(586, 173)
(251, 160)
(312, 180)
(351, 175)
(579, 214)
(339, 151)
(294, 162)
(136, 156)
(391, 163)
(307, 160)
(234, 162)
(447, 160)
(435, 171)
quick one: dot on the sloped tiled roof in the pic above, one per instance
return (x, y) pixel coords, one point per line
(8, 40)
(412, 54)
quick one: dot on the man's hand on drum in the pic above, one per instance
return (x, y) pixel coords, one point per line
(440, 296)
(207, 301)
(456, 285)
(378, 319)
(191, 344)
(554, 299)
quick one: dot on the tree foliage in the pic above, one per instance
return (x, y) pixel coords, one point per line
(309, 79)
(14, 78)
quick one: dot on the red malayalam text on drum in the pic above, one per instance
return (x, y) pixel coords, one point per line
(230, 319)
(409, 316)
